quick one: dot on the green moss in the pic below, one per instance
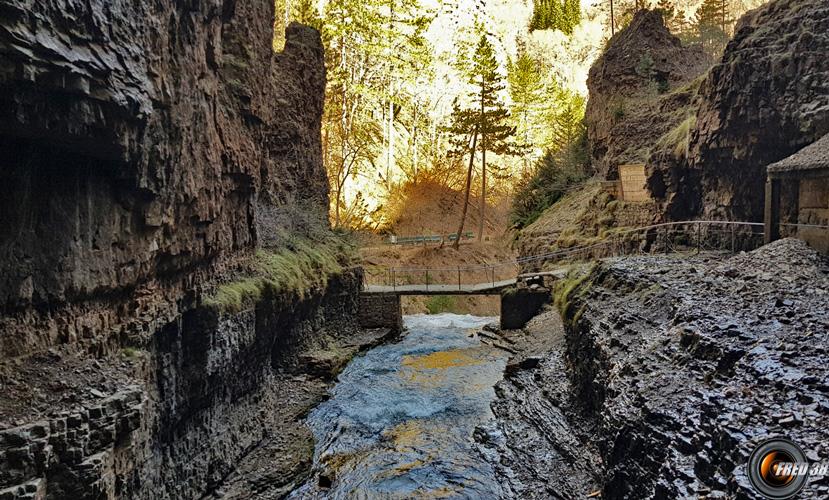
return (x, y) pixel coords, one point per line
(130, 352)
(576, 282)
(232, 297)
(302, 264)
(618, 109)
(440, 304)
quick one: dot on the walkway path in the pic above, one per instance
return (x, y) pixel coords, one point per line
(667, 238)
(491, 288)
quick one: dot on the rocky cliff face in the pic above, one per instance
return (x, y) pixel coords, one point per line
(142, 143)
(767, 98)
(212, 395)
(147, 147)
(636, 91)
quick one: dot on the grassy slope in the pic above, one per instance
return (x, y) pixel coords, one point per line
(303, 263)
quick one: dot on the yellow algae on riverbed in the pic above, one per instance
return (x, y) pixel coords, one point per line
(409, 434)
(440, 360)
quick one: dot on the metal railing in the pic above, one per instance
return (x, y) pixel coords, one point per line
(686, 237)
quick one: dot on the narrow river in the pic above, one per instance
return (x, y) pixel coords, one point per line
(400, 420)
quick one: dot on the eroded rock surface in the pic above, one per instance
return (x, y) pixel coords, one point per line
(540, 442)
(686, 364)
(144, 144)
(147, 148)
(767, 98)
(636, 91)
(664, 376)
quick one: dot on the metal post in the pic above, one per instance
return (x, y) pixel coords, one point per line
(666, 240)
(771, 229)
(393, 280)
(732, 238)
(699, 236)
(459, 277)
(493, 276)
(427, 280)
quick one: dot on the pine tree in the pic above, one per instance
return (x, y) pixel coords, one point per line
(556, 15)
(712, 22)
(572, 16)
(492, 116)
(563, 122)
(305, 12)
(674, 19)
(668, 10)
(525, 86)
(463, 129)
(562, 15)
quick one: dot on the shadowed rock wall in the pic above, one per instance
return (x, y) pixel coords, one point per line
(767, 98)
(146, 148)
(213, 388)
(139, 144)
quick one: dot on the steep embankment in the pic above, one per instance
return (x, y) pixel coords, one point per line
(643, 97)
(639, 89)
(586, 215)
(676, 369)
(429, 208)
(149, 148)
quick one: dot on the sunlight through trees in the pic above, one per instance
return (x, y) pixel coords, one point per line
(413, 84)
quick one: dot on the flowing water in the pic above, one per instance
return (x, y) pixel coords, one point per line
(400, 420)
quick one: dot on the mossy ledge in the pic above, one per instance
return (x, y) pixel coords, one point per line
(300, 264)
(568, 291)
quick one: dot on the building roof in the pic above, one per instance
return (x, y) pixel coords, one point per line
(811, 158)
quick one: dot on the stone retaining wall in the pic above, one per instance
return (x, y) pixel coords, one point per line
(381, 311)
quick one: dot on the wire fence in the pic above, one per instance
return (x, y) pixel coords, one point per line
(687, 237)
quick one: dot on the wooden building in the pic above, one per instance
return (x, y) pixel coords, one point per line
(797, 191)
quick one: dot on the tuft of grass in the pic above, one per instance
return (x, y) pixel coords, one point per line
(130, 352)
(300, 265)
(676, 140)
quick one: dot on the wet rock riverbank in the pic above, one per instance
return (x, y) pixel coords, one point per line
(673, 369)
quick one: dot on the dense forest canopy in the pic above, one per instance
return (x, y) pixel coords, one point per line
(403, 99)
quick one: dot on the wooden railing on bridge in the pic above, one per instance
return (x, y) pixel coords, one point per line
(669, 237)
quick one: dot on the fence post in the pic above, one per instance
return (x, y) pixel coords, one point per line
(732, 238)
(393, 280)
(493, 276)
(666, 240)
(459, 277)
(699, 236)
(427, 280)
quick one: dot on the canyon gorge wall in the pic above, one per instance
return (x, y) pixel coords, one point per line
(639, 90)
(139, 142)
(766, 99)
(146, 149)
